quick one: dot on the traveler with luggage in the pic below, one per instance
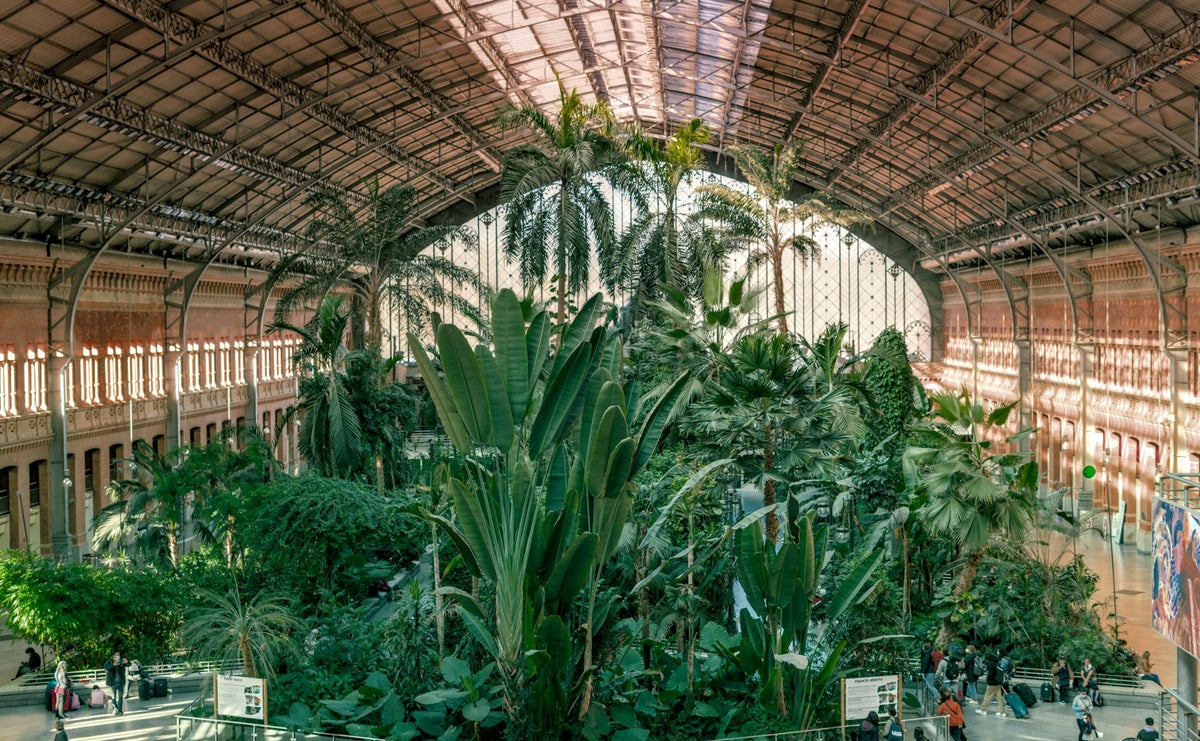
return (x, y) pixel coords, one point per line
(1064, 678)
(115, 673)
(995, 690)
(62, 690)
(953, 712)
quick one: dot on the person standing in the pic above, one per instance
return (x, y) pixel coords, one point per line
(972, 671)
(115, 670)
(868, 730)
(62, 688)
(994, 679)
(60, 732)
(1082, 705)
(1064, 677)
(1149, 733)
(928, 667)
(954, 714)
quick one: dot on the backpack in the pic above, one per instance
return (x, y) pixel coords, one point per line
(952, 670)
(895, 732)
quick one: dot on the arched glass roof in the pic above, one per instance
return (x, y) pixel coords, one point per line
(973, 131)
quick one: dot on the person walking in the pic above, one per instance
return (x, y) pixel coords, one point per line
(1064, 678)
(62, 688)
(60, 732)
(1149, 733)
(115, 670)
(1082, 705)
(953, 712)
(995, 681)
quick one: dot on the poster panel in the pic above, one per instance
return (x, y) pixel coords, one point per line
(864, 694)
(1175, 607)
(241, 697)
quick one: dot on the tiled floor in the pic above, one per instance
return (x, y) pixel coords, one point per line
(144, 720)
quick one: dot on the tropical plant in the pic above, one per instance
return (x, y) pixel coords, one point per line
(149, 507)
(258, 631)
(314, 538)
(973, 494)
(352, 419)
(546, 492)
(660, 246)
(226, 470)
(766, 221)
(557, 207)
(377, 250)
(781, 585)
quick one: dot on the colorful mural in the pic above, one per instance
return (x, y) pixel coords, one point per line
(1176, 600)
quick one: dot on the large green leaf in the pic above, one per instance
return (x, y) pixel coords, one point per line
(751, 566)
(606, 435)
(501, 412)
(556, 482)
(609, 515)
(656, 421)
(558, 402)
(512, 356)
(580, 328)
(460, 543)
(571, 572)
(853, 586)
(464, 378)
(617, 474)
(537, 346)
(456, 430)
(553, 638)
(476, 527)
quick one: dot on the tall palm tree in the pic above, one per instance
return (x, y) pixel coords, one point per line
(973, 493)
(380, 253)
(258, 631)
(152, 503)
(662, 247)
(330, 433)
(750, 405)
(556, 204)
(766, 221)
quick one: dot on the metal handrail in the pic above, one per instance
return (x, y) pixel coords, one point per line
(97, 676)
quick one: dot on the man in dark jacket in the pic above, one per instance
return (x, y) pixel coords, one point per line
(995, 680)
(928, 667)
(114, 675)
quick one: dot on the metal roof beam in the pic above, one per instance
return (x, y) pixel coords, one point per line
(60, 95)
(845, 31)
(928, 81)
(186, 30)
(407, 77)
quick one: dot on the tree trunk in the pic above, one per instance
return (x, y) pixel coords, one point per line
(966, 580)
(780, 304)
(438, 613)
(173, 546)
(772, 522)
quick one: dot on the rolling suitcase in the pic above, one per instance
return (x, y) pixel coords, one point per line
(1047, 692)
(1026, 694)
(1018, 706)
(144, 691)
(160, 687)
